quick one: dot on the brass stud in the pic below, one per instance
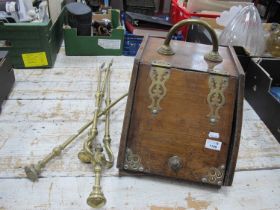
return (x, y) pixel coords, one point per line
(155, 111)
(212, 120)
(204, 180)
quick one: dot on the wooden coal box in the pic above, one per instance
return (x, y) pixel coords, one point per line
(184, 113)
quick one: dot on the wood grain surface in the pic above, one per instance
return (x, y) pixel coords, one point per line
(181, 127)
(32, 123)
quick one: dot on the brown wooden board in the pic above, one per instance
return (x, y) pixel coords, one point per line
(237, 122)
(182, 125)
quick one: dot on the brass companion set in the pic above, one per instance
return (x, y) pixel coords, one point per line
(92, 152)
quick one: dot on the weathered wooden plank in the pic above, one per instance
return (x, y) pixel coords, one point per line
(258, 148)
(62, 90)
(257, 142)
(90, 61)
(65, 83)
(54, 110)
(70, 74)
(250, 191)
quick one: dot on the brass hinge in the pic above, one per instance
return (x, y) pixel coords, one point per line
(159, 74)
(216, 98)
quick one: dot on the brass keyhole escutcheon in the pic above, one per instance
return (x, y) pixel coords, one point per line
(175, 163)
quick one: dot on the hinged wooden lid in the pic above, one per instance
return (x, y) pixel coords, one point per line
(190, 56)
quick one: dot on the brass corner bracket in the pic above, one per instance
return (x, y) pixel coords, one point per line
(215, 176)
(132, 161)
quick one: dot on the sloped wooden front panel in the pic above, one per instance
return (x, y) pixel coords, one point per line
(181, 127)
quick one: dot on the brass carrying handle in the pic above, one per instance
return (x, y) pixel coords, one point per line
(213, 56)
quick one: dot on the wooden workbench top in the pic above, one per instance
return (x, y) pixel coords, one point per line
(48, 105)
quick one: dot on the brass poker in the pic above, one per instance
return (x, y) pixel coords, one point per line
(96, 198)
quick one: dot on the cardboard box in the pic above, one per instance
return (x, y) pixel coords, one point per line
(96, 45)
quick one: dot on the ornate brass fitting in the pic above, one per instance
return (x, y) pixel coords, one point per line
(132, 161)
(216, 98)
(159, 74)
(215, 176)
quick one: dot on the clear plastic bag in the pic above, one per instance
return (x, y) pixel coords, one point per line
(245, 30)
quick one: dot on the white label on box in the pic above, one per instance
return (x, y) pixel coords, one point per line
(214, 145)
(214, 135)
(113, 44)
